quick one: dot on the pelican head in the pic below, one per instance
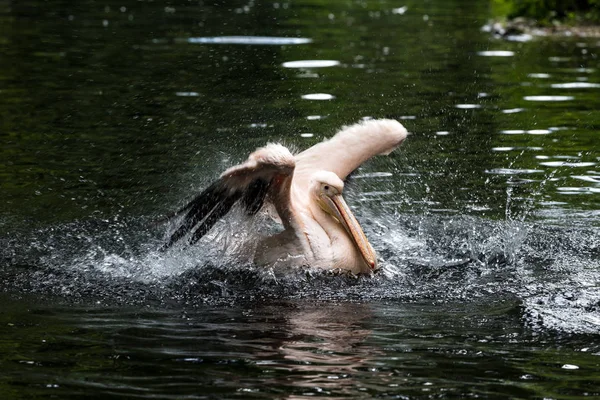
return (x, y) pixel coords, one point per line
(327, 190)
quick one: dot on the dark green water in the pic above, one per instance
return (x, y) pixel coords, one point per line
(486, 220)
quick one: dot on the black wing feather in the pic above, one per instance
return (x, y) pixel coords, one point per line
(214, 203)
(215, 214)
(199, 210)
(254, 197)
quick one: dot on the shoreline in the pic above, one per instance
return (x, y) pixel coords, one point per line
(524, 29)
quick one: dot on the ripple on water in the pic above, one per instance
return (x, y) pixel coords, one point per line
(467, 106)
(577, 190)
(538, 75)
(524, 37)
(539, 131)
(512, 110)
(512, 171)
(318, 96)
(576, 85)
(496, 53)
(400, 10)
(258, 125)
(529, 132)
(559, 59)
(310, 64)
(531, 148)
(587, 178)
(549, 98)
(251, 40)
(583, 70)
(567, 164)
(369, 175)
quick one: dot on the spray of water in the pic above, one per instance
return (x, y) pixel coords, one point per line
(553, 272)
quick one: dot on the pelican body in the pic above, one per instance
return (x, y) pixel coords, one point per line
(305, 190)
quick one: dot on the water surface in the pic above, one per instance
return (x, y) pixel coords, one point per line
(486, 219)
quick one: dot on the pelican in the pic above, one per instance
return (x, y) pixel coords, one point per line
(305, 190)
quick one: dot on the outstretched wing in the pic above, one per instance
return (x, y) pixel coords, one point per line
(349, 148)
(248, 182)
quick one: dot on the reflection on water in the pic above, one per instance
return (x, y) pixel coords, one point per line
(294, 349)
(486, 221)
(326, 349)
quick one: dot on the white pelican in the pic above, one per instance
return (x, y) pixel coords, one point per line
(319, 230)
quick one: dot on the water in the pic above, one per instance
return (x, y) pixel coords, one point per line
(486, 219)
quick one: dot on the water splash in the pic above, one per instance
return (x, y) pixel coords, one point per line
(423, 258)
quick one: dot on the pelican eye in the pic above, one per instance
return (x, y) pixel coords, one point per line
(326, 187)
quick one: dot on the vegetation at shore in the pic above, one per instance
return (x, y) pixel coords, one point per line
(547, 12)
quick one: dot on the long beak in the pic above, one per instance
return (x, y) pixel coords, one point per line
(344, 215)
